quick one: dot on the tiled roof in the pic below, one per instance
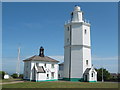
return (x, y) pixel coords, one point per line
(38, 58)
(87, 70)
(61, 63)
(40, 69)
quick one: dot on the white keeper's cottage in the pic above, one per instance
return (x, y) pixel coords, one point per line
(40, 68)
(77, 49)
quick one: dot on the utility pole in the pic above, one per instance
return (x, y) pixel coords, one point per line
(102, 75)
(18, 63)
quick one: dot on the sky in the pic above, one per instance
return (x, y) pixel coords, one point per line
(31, 25)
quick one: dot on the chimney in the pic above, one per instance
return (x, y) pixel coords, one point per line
(41, 53)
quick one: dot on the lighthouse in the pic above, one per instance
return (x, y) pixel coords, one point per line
(77, 49)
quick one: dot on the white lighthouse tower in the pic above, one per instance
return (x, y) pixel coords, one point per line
(77, 49)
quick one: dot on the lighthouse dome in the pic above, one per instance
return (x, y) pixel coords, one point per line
(77, 8)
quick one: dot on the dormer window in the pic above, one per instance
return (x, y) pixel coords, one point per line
(52, 65)
(45, 65)
(37, 64)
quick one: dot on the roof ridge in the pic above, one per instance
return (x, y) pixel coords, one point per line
(38, 58)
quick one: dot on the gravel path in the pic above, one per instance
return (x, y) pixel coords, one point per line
(11, 82)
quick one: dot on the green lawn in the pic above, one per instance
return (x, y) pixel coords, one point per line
(10, 80)
(60, 84)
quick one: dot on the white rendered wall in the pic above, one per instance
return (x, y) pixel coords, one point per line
(77, 35)
(66, 35)
(27, 66)
(94, 78)
(66, 62)
(48, 69)
(60, 72)
(77, 16)
(76, 62)
(86, 56)
(86, 36)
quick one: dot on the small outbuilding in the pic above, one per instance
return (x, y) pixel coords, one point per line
(6, 76)
(90, 75)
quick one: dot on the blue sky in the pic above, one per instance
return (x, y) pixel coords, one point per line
(31, 25)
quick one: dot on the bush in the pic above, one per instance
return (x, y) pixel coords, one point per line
(106, 74)
(21, 76)
(14, 75)
(2, 73)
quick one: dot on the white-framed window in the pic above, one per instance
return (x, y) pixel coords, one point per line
(27, 65)
(37, 64)
(52, 65)
(85, 31)
(92, 74)
(52, 74)
(67, 39)
(45, 65)
(68, 28)
(86, 62)
(26, 74)
(59, 75)
(47, 76)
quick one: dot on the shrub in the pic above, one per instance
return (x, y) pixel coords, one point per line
(21, 76)
(14, 75)
(2, 73)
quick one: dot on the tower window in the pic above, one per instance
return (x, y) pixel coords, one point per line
(71, 16)
(85, 31)
(68, 28)
(68, 40)
(86, 62)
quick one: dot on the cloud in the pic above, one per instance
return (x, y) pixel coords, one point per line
(105, 58)
(59, 58)
(111, 66)
(93, 58)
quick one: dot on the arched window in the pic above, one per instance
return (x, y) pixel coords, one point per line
(92, 74)
(47, 76)
(86, 62)
(45, 64)
(52, 65)
(68, 28)
(68, 40)
(85, 31)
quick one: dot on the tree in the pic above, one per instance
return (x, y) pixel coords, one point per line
(2, 73)
(14, 75)
(106, 74)
(21, 76)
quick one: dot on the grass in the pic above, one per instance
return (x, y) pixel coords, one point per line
(59, 84)
(9, 80)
